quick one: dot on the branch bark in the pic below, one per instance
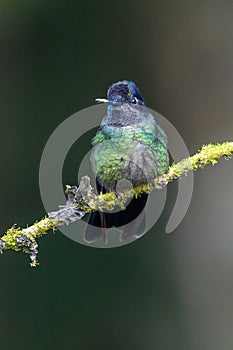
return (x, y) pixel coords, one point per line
(82, 200)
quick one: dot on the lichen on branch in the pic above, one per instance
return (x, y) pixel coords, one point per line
(82, 200)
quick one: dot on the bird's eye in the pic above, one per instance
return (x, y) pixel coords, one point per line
(134, 100)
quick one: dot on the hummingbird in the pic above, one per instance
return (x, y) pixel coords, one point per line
(129, 145)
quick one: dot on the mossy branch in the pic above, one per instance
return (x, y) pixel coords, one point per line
(82, 200)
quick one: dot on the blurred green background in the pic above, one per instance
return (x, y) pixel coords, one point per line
(162, 291)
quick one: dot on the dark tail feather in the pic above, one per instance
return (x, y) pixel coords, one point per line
(133, 230)
(96, 228)
(130, 222)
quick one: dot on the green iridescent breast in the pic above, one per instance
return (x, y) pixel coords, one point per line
(136, 153)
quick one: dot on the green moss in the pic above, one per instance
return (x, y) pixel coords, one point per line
(208, 154)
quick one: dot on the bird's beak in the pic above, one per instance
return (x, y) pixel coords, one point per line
(101, 100)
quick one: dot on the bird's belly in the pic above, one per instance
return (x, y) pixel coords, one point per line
(113, 161)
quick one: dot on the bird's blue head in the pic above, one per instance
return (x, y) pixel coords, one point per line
(124, 91)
